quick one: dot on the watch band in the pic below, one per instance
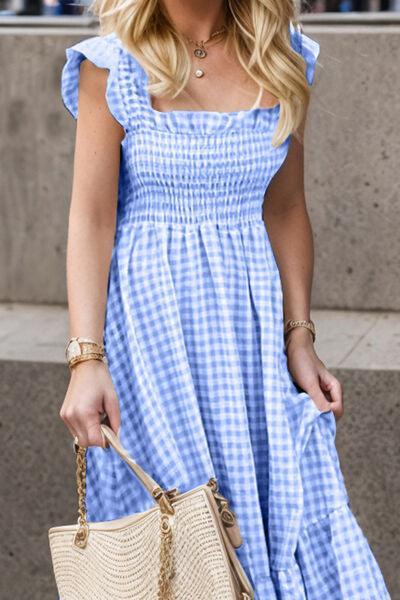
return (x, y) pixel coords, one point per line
(80, 346)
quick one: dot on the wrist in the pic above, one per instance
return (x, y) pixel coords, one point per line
(299, 337)
(87, 365)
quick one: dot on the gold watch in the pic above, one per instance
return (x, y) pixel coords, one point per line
(80, 348)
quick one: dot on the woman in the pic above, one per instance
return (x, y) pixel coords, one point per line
(189, 250)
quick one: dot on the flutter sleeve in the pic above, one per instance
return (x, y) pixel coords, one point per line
(103, 52)
(308, 48)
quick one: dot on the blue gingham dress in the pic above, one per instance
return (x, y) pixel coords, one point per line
(194, 339)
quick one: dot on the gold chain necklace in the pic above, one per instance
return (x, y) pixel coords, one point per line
(200, 50)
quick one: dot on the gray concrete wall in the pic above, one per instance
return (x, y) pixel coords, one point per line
(36, 149)
(353, 175)
(352, 165)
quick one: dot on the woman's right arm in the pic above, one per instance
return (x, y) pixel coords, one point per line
(91, 230)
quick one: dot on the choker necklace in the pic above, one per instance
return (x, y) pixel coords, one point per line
(200, 50)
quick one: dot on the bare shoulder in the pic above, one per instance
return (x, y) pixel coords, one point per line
(93, 78)
(93, 88)
(93, 99)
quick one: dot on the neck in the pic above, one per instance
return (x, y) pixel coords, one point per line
(196, 19)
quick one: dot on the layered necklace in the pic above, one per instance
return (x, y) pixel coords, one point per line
(200, 49)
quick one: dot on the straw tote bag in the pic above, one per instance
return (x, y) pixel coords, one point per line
(182, 548)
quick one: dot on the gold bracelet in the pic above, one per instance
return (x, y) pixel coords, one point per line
(84, 357)
(292, 323)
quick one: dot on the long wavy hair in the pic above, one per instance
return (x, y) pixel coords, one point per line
(257, 29)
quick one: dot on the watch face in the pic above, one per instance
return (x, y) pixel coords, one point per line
(74, 349)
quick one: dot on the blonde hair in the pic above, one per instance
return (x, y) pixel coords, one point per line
(257, 29)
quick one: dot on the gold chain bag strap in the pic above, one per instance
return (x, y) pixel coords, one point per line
(183, 547)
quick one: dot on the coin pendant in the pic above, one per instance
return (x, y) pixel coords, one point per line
(200, 53)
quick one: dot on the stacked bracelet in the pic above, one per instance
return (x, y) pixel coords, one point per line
(292, 323)
(80, 349)
(84, 357)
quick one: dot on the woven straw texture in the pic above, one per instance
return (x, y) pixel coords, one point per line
(124, 563)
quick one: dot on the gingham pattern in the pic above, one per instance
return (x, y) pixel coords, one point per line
(194, 338)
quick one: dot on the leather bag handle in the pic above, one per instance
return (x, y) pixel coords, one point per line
(145, 479)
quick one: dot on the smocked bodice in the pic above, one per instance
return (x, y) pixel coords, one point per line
(218, 177)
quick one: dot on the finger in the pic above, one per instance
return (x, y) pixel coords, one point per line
(68, 425)
(111, 406)
(68, 417)
(319, 398)
(94, 433)
(75, 437)
(336, 391)
(333, 388)
(81, 434)
(85, 422)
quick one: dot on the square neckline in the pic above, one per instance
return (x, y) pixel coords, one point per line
(258, 120)
(211, 113)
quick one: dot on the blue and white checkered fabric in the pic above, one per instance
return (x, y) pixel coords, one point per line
(194, 339)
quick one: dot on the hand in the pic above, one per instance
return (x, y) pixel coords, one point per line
(310, 373)
(90, 394)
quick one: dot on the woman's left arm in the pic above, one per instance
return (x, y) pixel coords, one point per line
(289, 229)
